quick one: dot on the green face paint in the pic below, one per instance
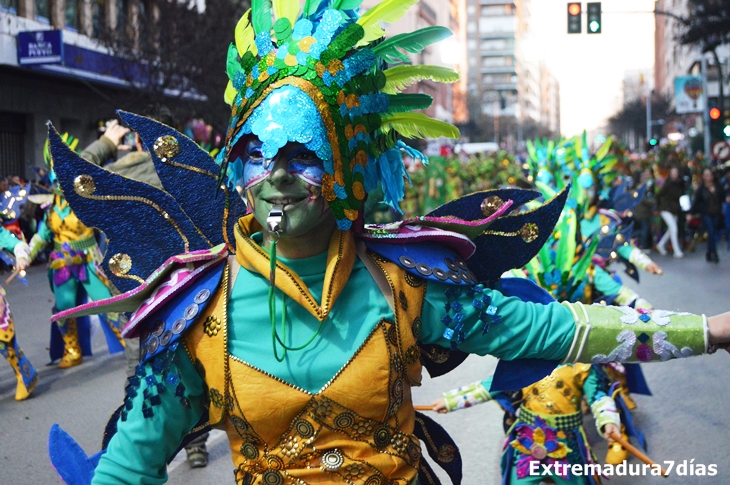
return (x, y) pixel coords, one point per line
(292, 181)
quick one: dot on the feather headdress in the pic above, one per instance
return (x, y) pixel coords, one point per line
(339, 61)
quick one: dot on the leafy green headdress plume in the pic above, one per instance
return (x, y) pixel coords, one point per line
(355, 109)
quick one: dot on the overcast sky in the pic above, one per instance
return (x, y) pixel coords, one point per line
(590, 68)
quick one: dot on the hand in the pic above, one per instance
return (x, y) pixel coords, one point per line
(115, 132)
(654, 268)
(608, 429)
(439, 405)
(21, 264)
(719, 329)
(688, 217)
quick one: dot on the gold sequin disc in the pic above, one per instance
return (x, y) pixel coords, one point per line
(120, 264)
(84, 185)
(529, 232)
(491, 204)
(166, 147)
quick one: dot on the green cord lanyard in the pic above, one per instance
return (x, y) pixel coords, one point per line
(272, 309)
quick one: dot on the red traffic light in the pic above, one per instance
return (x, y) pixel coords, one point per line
(715, 114)
(574, 9)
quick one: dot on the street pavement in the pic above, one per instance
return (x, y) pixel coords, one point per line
(684, 419)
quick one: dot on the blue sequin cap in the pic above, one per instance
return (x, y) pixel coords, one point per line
(318, 76)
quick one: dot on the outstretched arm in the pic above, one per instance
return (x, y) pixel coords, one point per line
(487, 322)
(154, 426)
(465, 396)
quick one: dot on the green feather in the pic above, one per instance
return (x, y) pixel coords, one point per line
(400, 77)
(418, 125)
(261, 15)
(346, 4)
(580, 268)
(399, 103)
(603, 151)
(310, 6)
(244, 34)
(232, 64)
(566, 245)
(386, 11)
(413, 42)
(286, 9)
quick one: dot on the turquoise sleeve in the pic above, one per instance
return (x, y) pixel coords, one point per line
(7, 239)
(517, 330)
(595, 386)
(44, 232)
(624, 250)
(604, 282)
(138, 452)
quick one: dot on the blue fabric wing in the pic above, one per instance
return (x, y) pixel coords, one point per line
(440, 446)
(141, 221)
(191, 177)
(635, 380)
(512, 375)
(469, 207)
(623, 198)
(505, 246)
(69, 460)
(611, 242)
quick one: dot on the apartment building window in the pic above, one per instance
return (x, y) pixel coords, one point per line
(495, 62)
(9, 6)
(72, 15)
(492, 10)
(42, 11)
(497, 44)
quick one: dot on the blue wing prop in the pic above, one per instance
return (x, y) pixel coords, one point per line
(190, 177)
(614, 239)
(146, 225)
(511, 240)
(624, 198)
(69, 460)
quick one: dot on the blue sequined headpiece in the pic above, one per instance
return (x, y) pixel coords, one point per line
(318, 76)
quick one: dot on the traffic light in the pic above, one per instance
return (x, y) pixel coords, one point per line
(716, 121)
(726, 124)
(593, 14)
(575, 21)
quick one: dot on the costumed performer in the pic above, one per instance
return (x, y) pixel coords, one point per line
(24, 372)
(74, 272)
(311, 304)
(548, 427)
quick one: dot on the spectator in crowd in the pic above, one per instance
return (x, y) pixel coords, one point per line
(707, 202)
(669, 209)
(725, 182)
(644, 210)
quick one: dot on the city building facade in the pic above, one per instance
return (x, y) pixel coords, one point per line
(507, 77)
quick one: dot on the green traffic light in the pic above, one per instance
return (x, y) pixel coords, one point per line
(652, 142)
(726, 131)
(594, 26)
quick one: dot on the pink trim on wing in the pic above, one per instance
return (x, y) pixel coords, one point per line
(170, 287)
(450, 219)
(191, 257)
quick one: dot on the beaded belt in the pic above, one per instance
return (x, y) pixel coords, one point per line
(78, 245)
(560, 422)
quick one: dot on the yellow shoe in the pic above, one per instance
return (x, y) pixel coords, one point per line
(72, 350)
(24, 372)
(616, 453)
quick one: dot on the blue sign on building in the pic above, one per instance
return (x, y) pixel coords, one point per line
(40, 47)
